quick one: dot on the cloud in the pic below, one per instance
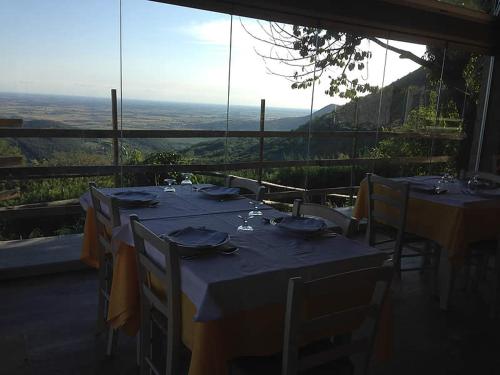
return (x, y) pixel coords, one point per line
(251, 79)
(214, 32)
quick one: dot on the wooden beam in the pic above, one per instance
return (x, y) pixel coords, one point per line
(23, 173)
(46, 209)
(157, 133)
(398, 20)
(11, 161)
(445, 9)
(114, 122)
(11, 122)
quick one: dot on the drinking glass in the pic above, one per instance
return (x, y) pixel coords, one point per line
(441, 185)
(169, 186)
(186, 179)
(473, 183)
(256, 209)
(449, 177)
(244, 227)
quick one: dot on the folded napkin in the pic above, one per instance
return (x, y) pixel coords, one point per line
(219, 191)
(300, 224)
(422, 188)
(198, 237)
(135, 198)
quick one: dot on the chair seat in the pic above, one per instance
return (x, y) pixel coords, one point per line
(408, 238)
(347, 211)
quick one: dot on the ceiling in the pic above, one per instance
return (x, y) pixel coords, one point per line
(420, 21)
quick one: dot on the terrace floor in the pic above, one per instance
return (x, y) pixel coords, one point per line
(47, 327)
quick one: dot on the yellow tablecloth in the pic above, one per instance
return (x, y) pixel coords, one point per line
(452, 227)
(254, 332)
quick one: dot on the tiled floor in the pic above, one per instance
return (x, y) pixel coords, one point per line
(47, 327)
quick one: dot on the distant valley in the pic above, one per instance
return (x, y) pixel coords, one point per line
(42, 111)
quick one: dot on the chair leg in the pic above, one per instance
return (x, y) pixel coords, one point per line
(112, 341)
(495, 305)
(426, 259)
(397, 262)
(446, 280)
(101, 306)
(480, 273)
(138, 348)
(435, 273)
(145, 339)
(467, 272)
(483, 267)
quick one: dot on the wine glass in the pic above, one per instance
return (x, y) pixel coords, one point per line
(441, 185)
(256, 210)
(186, 179)
(244, 227)
(169, 186)
(449, 177)
(473, 184)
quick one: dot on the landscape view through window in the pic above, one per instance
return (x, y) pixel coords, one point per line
(184, 69)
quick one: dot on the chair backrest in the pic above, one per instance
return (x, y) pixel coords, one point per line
(107, 217)
(297, 326)
(246, 184)
(346, 224)
(387, 205)
(169, 279)
(315, 196)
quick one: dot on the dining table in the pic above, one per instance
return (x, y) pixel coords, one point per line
(453, 216)
(232, 304)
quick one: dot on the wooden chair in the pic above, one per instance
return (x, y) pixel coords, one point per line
(107, 217)
(481, 252)
(158, 311)
(347, 225)
(312, 196)
(325, 360)
(247, 184)
(393, 225)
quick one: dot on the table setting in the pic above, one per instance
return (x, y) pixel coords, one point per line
(237, 256)
(466, 190)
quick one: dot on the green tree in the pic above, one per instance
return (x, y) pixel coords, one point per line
(310, 54)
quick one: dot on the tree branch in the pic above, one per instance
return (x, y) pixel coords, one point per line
(404, 54)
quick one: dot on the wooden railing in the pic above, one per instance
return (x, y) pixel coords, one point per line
(29, 173)
(20, 173)
(10, 160)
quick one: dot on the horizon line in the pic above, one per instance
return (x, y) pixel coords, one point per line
(158, 101)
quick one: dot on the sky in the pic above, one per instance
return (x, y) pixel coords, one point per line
(169, 53)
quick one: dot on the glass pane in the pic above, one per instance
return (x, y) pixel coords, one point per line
(59, 62)
(175, 62)
(252, 79)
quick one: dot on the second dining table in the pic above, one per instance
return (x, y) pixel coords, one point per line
(455, 218)
(232, 305)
